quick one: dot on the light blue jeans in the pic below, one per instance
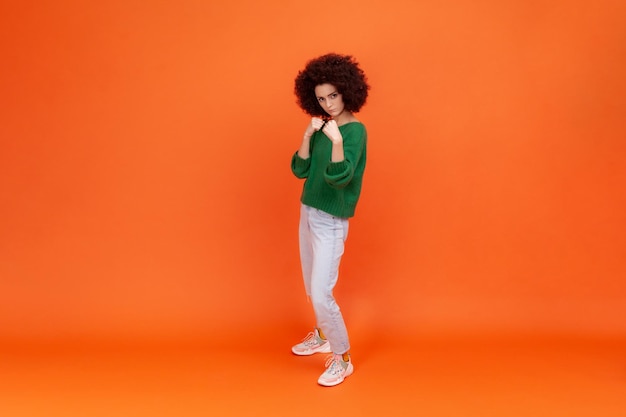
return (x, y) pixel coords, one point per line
(322, 238)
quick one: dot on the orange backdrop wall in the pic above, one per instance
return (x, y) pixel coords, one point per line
(146, 190)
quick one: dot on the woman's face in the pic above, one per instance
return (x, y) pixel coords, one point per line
(329, 98)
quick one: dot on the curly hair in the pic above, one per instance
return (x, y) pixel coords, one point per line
(341, 71)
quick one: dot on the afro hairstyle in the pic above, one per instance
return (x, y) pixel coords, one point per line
(341, 71)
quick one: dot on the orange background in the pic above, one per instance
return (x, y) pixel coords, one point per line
(146, 190)
(148, 216)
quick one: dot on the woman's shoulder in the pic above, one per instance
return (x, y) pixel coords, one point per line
(355, 127)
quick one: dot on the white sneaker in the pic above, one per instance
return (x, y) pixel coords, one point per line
(311, 344)
(336, 371)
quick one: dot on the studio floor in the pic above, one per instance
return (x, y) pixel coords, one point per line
(425, 375)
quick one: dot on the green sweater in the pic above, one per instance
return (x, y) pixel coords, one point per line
(333, 187)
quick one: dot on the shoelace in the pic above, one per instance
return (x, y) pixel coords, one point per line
(333, 365)
(310, 339)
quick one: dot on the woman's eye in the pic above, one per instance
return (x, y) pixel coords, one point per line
(334, 95)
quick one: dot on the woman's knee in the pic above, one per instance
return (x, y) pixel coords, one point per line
(322, 301)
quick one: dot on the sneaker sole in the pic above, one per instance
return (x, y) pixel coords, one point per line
(349, 372)
(309, 352)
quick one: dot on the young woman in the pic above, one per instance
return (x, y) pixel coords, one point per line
(331, 159)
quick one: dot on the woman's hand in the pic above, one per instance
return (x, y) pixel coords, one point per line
(315, 125)
(332, 131)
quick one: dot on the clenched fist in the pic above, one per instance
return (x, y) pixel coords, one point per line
(332, 131)
(315, 125)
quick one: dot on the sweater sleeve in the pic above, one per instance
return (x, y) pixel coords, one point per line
(300, 167)
(339, 174)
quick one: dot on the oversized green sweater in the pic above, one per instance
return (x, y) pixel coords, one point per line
(333, 187)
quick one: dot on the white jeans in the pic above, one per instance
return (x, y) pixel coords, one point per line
(322, 238)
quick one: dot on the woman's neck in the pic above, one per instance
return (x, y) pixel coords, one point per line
(344, 118)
